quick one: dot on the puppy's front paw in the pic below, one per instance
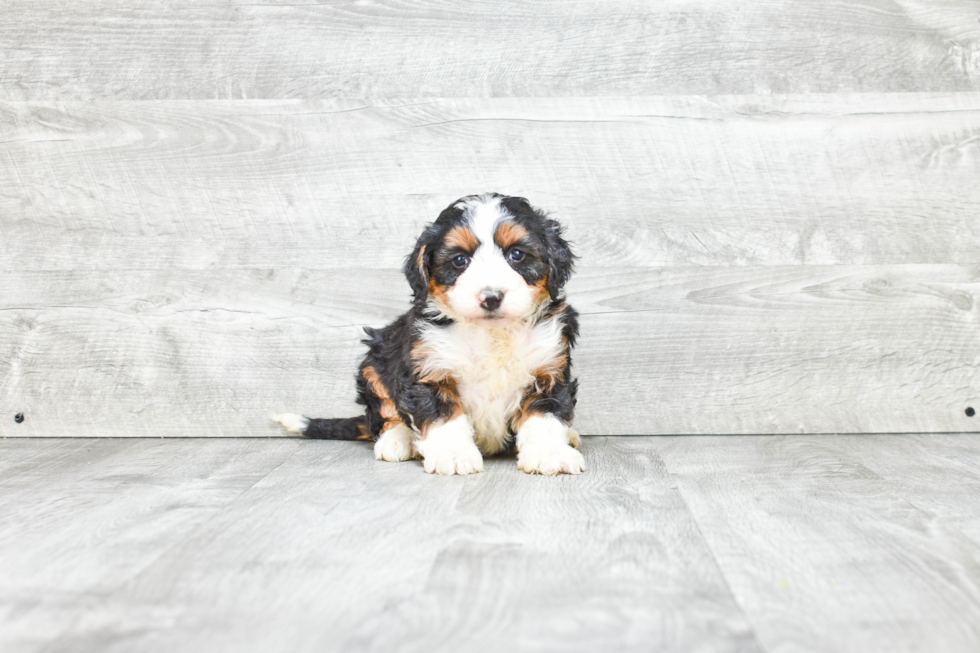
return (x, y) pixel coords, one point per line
(550, 458)
(545, 446)
(449, 449)
(448, 461)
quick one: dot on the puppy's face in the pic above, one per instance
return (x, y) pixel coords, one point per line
(489, 260)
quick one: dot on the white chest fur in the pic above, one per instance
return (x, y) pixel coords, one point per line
(492, 369)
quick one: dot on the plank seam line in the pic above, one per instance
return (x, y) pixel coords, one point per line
(555, 120)
(714, 558)
(366, 107)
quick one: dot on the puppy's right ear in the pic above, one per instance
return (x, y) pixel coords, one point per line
(418, 265)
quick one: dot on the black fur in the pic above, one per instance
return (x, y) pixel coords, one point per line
(390, 354)
(336, 429)
(390, 349)
(560, 400)
(558, 255)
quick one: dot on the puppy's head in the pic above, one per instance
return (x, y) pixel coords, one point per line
(490, 260)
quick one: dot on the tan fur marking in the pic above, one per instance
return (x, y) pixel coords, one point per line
(456, 412)
(441, 380)
(420, 262)
(448, 391)
(545, 379)
(438, 292)
(365, 434)
(388, 410)
(541, 292)
(546, 376)
(463, 238)
(421, 352)
(525, 413)
(508, 234)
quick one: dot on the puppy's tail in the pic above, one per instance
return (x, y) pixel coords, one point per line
(350, 428)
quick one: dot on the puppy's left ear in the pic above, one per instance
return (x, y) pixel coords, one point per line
(418, 265)
(560, 259)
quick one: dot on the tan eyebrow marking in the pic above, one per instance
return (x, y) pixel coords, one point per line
(463, 238)
(509, 234)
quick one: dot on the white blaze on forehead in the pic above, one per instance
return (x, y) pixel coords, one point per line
(483, 219)
(489, 264)
(488, 267)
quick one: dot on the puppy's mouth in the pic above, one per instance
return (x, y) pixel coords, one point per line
(493, 319)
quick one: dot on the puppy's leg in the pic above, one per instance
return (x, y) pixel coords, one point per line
(448, 448)
(543, 447)
(396, 444)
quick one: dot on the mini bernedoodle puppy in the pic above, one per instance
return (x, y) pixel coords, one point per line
(481, 362)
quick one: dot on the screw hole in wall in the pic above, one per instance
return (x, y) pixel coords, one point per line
(19, 417)
(970, 412)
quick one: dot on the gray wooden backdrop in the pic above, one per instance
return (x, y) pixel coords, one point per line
(776, 204)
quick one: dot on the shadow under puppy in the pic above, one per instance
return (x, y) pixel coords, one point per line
(481, 362)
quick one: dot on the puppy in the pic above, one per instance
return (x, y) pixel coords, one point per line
(481, 362)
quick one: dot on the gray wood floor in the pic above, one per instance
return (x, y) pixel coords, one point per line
(756, 543)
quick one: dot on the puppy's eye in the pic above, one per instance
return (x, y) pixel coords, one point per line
(461, 261)
(516, 255)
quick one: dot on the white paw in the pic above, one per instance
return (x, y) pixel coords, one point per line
(396, 444)
(449, 448)
(462, 461)
(543, 447)
(550, 459)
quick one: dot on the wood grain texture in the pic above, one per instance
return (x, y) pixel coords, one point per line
(334, 551)
(743, 180)
(776, 349)
(841, 543)
(173, 49)
(793, 251)
(818, 543)
(939, 476)
(81, 519)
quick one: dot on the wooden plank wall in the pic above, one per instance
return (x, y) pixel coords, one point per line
(776, 205)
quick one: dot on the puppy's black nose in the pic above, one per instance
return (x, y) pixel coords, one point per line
(490, 299)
